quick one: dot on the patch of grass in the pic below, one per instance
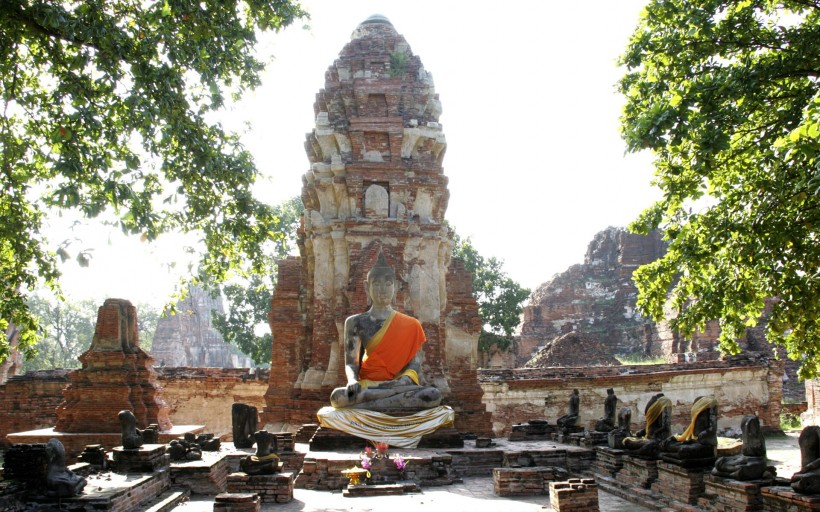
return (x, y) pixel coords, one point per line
(790, 421)
(638, 358)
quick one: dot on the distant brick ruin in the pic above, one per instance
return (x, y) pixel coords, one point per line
(188, 338)
(375, 183)
(598, 298)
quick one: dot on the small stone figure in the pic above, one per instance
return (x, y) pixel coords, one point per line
(607, 422)
(646, 443)
(208, 442)
(150, 435)
(699, 441)
(751, 464)
(265, 462)
(244, 419)
(807, 480)
(185, 449)
(60, 481)
(131, 435)
(616, 437)
(571, 417)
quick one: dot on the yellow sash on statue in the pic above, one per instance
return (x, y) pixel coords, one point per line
(701, 404)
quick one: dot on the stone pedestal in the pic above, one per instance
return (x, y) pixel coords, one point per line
(638, 472)
(608, 461)
(145, 459)
(323, 471)
(535, 430)
(566, 435)
(393, 489)
(116, 374)
(275, 488)
(679, 484)
(237, 502)
(726, 495)
(207, 476)
(574, 495)
(526, 481)
(591, 439)
(784, 499)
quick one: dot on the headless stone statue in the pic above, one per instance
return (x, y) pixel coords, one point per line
(383, 353)
(131, 435)
(646, 442)
(751, 464)
(699, 441)
(807, 480)
(265, 462)
(607, 422)
(616, 437)
(571, 417)
(60, 481)
(244, 420)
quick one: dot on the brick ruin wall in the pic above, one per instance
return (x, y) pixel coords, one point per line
(203, 396)
(741, 388)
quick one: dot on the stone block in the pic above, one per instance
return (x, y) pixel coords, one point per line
(574, 495)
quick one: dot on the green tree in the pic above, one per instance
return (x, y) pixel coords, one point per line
(106, 107)
(499, 298)
(69, 329)
(248, 302)
(727, 96)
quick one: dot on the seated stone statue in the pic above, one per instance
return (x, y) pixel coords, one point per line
(571, 417)
(265, 461)
(607, 422)
(131, 435)
(699, 441)
(751, 464)
(807, 480)
(646, 442)
(615, 438)
(60, 481)
(383, 353)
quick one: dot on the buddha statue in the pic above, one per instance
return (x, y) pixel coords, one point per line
(61, 482)
(751, 463)
(607, 422)
(807, 480)
(699, 440)
(616, 437)
(569, 420)
(382, 349)
(265, 461)
(646, 443)
(131, 435)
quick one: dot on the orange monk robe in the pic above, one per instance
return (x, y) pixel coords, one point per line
(392, 348)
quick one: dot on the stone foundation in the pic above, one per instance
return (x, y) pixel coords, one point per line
(275, 488)
(784, 499)
(145, 459)
(726, 495)
(638, 472)
(323, 471)
(526, 481)
(237, 502)
(574, 495)
(207, 476)
(679, 484)
(608, 461)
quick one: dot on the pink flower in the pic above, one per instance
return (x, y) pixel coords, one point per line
(368, 451)
(366, 462)
(399, 461)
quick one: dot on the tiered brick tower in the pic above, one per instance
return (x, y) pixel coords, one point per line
(116, 374)
(376, 182)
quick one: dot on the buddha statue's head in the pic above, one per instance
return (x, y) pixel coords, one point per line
(381, 283)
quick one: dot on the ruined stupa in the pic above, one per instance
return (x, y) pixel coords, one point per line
(375, 183)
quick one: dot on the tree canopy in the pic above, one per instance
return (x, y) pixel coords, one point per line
(248, 302)
(726, 95)
(499, 297)
(106, 108)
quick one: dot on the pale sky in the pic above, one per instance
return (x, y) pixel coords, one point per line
(535, 161)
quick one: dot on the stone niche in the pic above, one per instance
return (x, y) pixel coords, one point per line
(375, 183)
(116, 374)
